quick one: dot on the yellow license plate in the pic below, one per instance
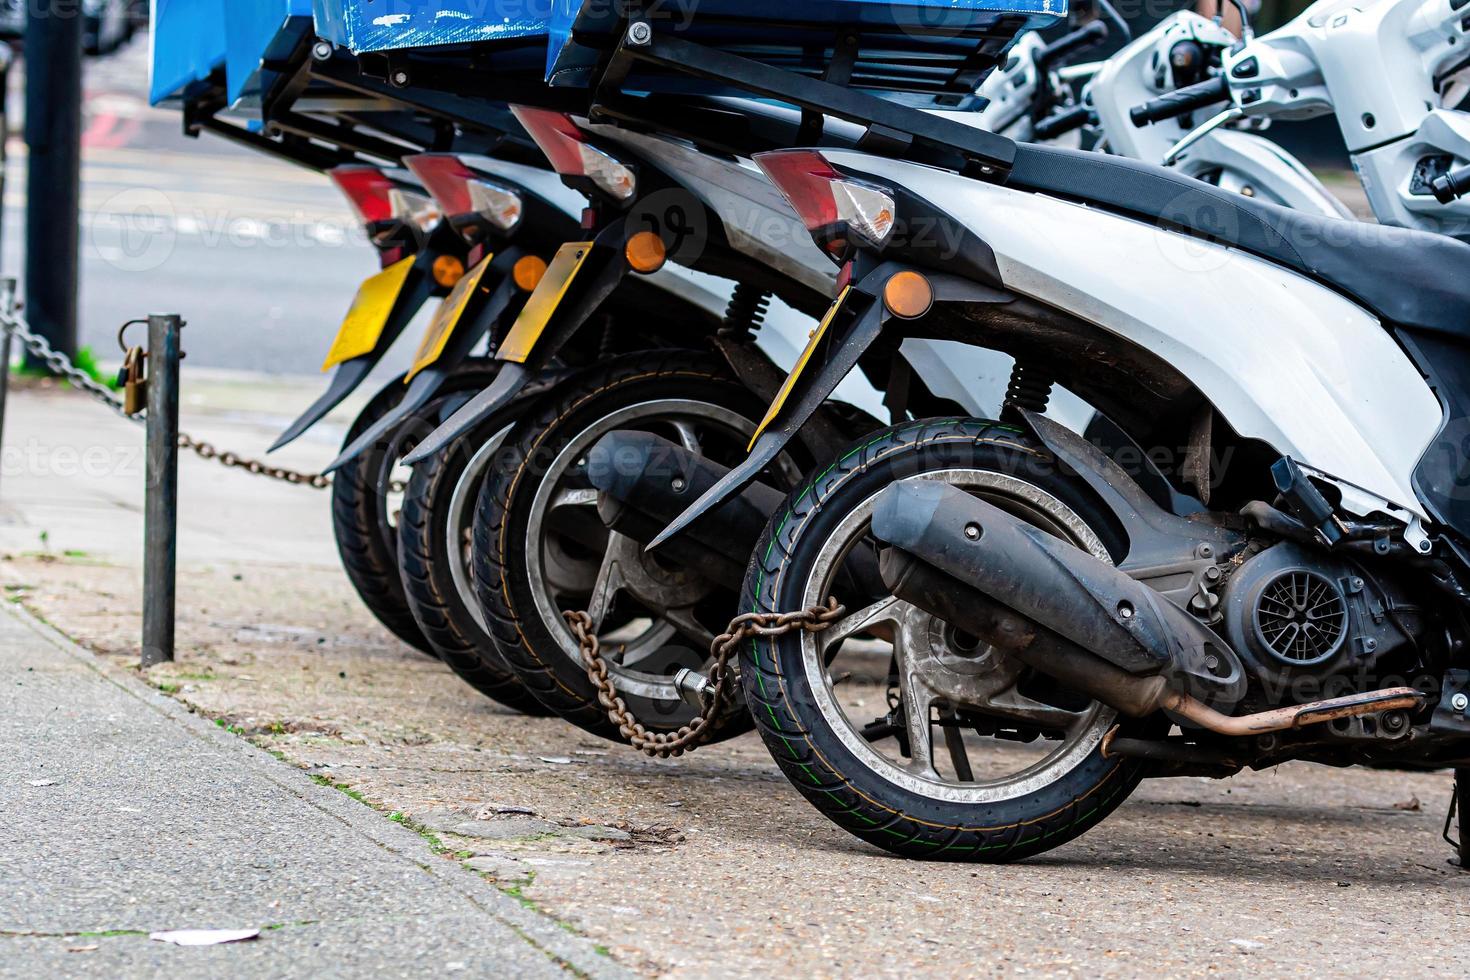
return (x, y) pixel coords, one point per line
(447, 318)
(368, 316)
(536, 314)
(801, 362)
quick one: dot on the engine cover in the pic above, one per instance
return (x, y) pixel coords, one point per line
(1301, 619)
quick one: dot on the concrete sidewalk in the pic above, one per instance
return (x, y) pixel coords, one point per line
(123, 814)
(72, 475)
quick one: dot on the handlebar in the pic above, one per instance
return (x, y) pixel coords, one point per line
(1452, 186)
(1062, 122)
(1086, 36)
(1180, 101)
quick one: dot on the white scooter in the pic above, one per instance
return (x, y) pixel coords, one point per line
(1391, 71)
(1179, 52)
(1293, 393)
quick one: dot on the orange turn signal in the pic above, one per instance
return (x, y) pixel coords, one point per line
(527, 272)
(448, 271)
(645, 252)
(908, 295)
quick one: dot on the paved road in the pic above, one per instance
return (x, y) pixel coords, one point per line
(122, 814)
(260, 256)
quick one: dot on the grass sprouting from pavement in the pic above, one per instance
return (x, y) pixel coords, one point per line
(86, 362)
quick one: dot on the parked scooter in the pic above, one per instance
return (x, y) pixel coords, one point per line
(501, 220)
(433, 526)
(1184, 50)
(544, 543)
(1030, 588)
(421, 258)
(1393, 74)
(1030, 99)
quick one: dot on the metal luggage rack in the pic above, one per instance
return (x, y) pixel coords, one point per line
(889, 127)
(327, 109)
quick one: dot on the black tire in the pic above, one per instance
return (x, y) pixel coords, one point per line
(435, 599)
(533, 648)
(853, 791)
(366, 538)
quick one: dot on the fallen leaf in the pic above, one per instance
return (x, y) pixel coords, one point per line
(204, 937)
(556, 760)
(82, 949)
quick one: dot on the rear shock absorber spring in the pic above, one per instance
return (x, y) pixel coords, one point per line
(1029, 390)
(746, 312)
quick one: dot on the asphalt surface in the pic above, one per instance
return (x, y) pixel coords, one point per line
(122, 815)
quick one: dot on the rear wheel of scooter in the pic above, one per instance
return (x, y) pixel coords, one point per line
(365, 508)
(434, 532)
(1004, 764)
(539, 547)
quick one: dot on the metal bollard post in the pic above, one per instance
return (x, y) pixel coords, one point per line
(7, 306)
(161, 510)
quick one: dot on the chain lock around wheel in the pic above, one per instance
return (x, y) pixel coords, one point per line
(721, 675)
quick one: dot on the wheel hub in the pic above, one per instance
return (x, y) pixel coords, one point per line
(954, 666)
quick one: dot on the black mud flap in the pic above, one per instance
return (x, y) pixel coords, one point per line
(601, 273)
(476, 324)
(345, 379)
(492, 403)
(843, 346)
(809, 390)
(417, 290)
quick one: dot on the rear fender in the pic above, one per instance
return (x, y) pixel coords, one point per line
(417, 289)
(857, 321)
(425, 384)
(536, 338)
(548, 321)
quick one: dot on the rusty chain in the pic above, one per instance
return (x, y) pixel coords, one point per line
(59, 364)
(721, 675)
(204, 450)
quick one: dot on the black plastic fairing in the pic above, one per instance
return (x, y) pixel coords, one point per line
(482, 318)
(417, 289)
(1442, 476)
(926, 236)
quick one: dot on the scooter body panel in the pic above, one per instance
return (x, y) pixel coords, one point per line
(1253, 165)
(759, 223)
(1284, 359)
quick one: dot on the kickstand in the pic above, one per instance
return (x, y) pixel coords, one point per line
(1462, 854)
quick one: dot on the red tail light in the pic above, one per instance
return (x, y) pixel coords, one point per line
(570, 154)
(830, 204)
(462, 192)
(377, 198)
(367, 190)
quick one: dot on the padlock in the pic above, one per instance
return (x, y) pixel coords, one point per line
(134, 380)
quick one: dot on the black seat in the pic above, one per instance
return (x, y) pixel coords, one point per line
(1412, 278)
